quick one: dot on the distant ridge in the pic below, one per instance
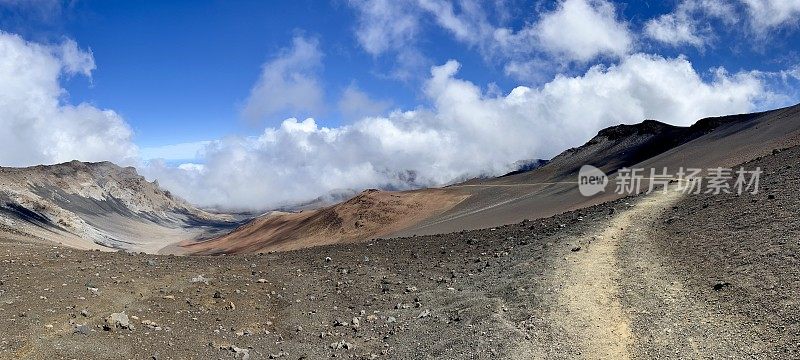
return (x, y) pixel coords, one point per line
(546, 190)
(96, 205)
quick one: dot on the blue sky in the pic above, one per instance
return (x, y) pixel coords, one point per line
(374, 77)
(178, 71)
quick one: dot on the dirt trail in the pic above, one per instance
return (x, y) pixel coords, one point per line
(591, 311)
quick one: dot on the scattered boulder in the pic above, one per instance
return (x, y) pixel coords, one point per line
(117, 321)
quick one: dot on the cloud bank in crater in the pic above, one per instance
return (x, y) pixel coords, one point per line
(460, 131)
(465, 133)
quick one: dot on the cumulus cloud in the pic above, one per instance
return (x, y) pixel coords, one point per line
(466, 132)
(390, 27)
(182, 151)
(689, 22)
(582, 30)
(288, 83)
(470, 25)
(770, 14)
(356, 104)
(674, 30)
(37, 125)
(576, 31)
(384, 25)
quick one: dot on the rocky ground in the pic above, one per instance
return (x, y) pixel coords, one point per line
(659, 276)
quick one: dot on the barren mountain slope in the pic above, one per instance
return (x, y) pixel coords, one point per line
(712, 142)
(368, 215)
(648, 277)
(97, 205)
(545, 191)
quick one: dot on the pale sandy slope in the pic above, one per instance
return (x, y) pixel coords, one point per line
(552, 189)
(97, 206)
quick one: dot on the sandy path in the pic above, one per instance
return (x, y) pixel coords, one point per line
(590, 309)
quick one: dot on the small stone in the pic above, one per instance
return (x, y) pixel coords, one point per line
(244, 353)
(200, 279)
(425, 313)
(341, 345)
(81, 329)
(721, 285)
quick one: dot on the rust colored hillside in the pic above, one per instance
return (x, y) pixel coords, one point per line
(370, 214)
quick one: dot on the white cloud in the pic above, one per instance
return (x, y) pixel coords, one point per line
(356, 104)
(689, 23)
(770, 14)
(466, 132)
(75, 60)
(470, 25)
(37, 125)
(534, 70)
(384, 25)
(581, 30)
(674, 30)
(795, 73)
(391, 28)
(576, 31)
(288, 83)
(182, 151)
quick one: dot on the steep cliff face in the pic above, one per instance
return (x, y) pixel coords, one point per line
(97, 205)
